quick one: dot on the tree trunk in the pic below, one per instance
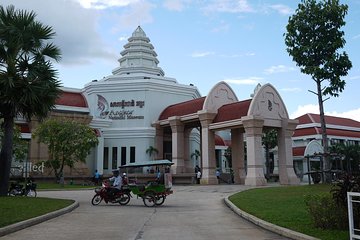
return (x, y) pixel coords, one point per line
(267, 160)
(325, 143)
(6, 154)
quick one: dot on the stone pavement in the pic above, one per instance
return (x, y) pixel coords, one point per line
(193, 212)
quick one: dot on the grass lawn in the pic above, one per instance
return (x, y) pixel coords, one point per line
(16, 209)
(56, 186)
(285, 206)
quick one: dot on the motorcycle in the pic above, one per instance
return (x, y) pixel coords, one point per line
(122, 197)
(17, 189)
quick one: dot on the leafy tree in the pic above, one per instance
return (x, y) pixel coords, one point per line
(28, 82)
(20, 146)
(313, 39)
(152, 151)
(350, 154)
(269, 141)
(68, 142)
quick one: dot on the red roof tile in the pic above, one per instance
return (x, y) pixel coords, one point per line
(219, 141)
(184, 108)
(315, 118)
(72, 99)
(232, 111)
(329, 131)
(298, 151)
(24, 127)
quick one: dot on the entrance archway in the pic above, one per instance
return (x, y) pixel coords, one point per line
(221, 110)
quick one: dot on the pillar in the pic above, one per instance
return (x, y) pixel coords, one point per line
(177, 136)
(99, 161)
(159, 141)
(187, 159)
(255, 169)
(237, 155)
(207, 148)
(287, 174)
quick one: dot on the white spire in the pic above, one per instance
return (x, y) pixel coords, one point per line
(138, 56)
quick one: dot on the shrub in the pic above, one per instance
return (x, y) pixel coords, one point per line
(325, 213)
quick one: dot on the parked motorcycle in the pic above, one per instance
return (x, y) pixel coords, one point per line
(17, 189)
(122, 197)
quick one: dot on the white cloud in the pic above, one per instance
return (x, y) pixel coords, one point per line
(352, 114)
(201, 54)
(229, 6)
(123, 38)
(245, 81)
(175, 5)
(303, 109)
(314, 108)
(278, 69)
(103, 4)
(75, 27)
(282, 9)
(133, 15)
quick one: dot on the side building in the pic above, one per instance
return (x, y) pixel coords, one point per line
(307, 138)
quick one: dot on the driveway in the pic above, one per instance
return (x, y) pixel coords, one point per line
(192, 212)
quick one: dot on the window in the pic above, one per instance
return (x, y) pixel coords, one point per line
(106, 158)
(114, 157)
(123, 156)
(132, 154)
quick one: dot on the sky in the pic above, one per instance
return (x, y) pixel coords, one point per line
(200, 42)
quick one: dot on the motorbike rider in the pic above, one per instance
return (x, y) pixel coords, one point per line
(124, 179)
(117, 183)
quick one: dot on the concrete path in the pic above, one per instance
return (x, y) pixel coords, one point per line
(192, 212)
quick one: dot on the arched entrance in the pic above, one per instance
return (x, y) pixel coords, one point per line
(221, 110)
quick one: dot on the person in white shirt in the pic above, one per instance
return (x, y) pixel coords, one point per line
(117, 182)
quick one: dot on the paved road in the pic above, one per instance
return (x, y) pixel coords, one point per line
(192, 212)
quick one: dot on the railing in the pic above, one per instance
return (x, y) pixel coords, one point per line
(354, 226)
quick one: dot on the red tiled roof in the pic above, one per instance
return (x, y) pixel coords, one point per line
(219, 141)
(315, 118)
(298, 151)
(24, 127)
(184, 108)
(329, 131)
(71, 99)
(232, 111)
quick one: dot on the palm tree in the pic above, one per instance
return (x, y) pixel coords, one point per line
(28, 82)
(151, 150)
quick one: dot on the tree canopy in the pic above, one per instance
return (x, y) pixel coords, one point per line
(28, 81)
(68, 142)
(314, 39)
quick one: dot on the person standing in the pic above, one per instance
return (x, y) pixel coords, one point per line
(217, 173)
(96, 177)
(198, 176)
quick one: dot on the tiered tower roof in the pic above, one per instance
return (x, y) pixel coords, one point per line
(138, 56)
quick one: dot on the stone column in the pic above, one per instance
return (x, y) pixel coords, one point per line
(177, 135)
(99, 161)
(255, 169)
(287, 174)
(159, 141)
(207, 148)
(188, 166)
(237, 155)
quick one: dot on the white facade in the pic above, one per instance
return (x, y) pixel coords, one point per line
(125, 104)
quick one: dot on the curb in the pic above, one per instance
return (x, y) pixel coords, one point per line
(268, 226)
(36, 220)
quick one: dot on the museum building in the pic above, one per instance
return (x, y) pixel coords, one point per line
(137, 107)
